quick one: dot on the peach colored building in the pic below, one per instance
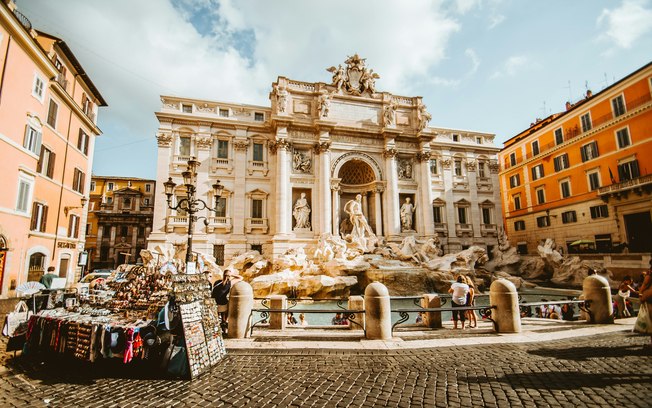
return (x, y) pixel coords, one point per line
(48, 108)
(584, 174)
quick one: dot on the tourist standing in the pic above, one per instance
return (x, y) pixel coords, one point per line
(221, 295)
(624, 292)
(643, 323)
(459, 290)
(470, 301)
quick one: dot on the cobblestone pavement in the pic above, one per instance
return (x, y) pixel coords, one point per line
(607, 370)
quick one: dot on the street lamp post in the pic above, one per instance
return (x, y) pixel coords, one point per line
(190, 204)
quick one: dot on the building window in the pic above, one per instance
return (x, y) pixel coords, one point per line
(126, 203)
(515, 180)
(184, 146)
(218, 254)
(78, 181)
(146, 202)
(568, 217)
(589, 151)
(39, 217)
(109, 200)
(258, 152)
(222, 149)
(89, 227)
(259, 116)
(186, 108)
(124, 231)
(257, 247)
(224, 113)
(517, 202)
(519, 225)
(541, 195)
(37, 262)
(594, 180)
(486, 215)
(458, 167)
(559, 136)
(109, 186)
(478, 140)
(512, 159)
(561, 162)
(537, 172)
(148, 188)
(482, 169)
(456, 137)
(622, 136)
(82, 142)
(32, 140)
(45, 164)
(221, 207)
(461, 215)
(24, 194)
(586, 122)
(433, 167)
(543, 221)
(628, 170)
(73, 226)
(52, 113)
(599, 211)
(256, 208)
(38, 89)
(564, 187)
(436, 214)
(535, 148)
(618, 105)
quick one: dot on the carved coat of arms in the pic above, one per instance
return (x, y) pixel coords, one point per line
(356, 79)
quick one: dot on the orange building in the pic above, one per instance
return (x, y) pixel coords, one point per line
(48, 108)
(120, 214)
(584, 174)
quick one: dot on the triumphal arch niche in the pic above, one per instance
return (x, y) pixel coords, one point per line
(289, 169)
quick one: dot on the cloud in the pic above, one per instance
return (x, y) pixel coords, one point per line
(626, 23)
(511, 67)
(475, 60)
(464, 6)
(495, 20)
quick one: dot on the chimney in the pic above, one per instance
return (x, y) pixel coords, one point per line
(588, 93)
(568, 106)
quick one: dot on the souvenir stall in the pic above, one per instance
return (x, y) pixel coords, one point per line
(150, 315)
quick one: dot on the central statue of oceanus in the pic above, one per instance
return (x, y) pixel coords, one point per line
(361, 236)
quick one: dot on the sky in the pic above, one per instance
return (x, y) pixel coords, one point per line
(485, 65)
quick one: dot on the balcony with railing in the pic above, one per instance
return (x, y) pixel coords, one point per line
(24, 21)
(462, 230)
(177, 221)
(441, 228)
(219, 224)
(488, 230)
(259, 224)
(219, 164)
(61, 79)
(572, 132)
(638, 185)
(257, 166)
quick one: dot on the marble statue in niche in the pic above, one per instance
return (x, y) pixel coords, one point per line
(301, 162)
(301, 213)
(407, 214)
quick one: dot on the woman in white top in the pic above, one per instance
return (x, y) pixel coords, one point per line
(459, 290)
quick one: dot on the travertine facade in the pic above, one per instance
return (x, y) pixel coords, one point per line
(322, 144)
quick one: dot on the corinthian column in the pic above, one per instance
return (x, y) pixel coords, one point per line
(425, 192)
(325, 219)
(283, 200)
(377, 209)
(392, 219)
(335, 187)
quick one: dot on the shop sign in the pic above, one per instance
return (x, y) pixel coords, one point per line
(67, 245)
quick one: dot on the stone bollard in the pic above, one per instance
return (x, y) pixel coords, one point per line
(507, 315)
(278, 321)
(378, 312)
(431, 319)
(241, 301)
(596, 290)
(356, 303)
